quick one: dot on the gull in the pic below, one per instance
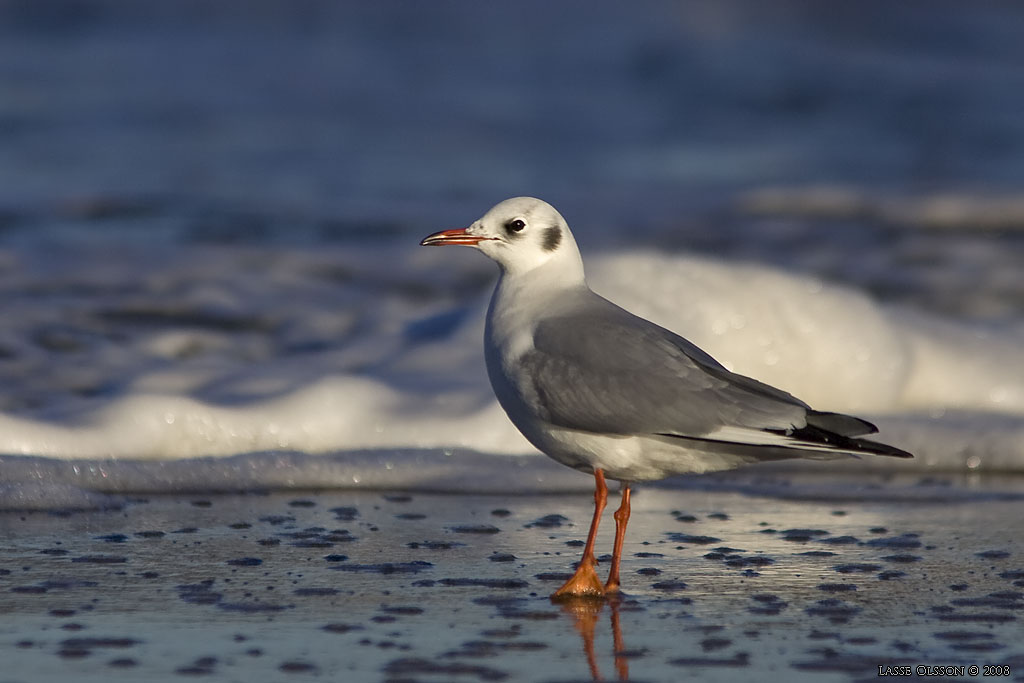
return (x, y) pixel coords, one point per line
(611, 394)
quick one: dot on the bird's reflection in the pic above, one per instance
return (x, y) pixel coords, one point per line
(586, 614)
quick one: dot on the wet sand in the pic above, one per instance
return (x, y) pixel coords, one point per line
(378, 586)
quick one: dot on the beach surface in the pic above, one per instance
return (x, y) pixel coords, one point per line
(366, 585)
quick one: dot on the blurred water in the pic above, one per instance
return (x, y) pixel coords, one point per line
(360, 110)
(208, 213)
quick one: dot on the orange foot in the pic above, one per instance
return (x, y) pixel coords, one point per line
(583, 584)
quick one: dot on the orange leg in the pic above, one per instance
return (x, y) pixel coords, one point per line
(621, 519)
(584, 583)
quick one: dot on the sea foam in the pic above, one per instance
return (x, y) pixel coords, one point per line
(952, 394)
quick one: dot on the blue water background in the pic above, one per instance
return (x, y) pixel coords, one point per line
(266, 119)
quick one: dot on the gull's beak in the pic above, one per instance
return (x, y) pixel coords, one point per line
(457, 236)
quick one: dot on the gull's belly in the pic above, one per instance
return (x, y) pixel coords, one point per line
(629, 457)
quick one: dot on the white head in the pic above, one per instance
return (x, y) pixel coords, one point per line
(520, 234)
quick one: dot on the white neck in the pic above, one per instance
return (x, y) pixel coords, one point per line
(521, 299)
(565, 271)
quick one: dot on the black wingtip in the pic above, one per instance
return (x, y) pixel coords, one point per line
(844, 431)
(845, 425)
(815, 433)
(876, 448)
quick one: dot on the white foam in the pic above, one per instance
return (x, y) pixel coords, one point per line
(335, 413)
(831, 346)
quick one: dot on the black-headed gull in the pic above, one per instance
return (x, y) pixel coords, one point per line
(606, 392)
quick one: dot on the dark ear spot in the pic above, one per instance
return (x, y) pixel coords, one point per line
(552, 238)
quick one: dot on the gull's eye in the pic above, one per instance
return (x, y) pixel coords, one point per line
(516, 225)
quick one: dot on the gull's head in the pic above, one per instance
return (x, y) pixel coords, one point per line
(521, 234)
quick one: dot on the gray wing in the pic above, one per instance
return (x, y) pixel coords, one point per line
(605, 370)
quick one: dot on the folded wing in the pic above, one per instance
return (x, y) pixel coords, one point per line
(602, 369)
